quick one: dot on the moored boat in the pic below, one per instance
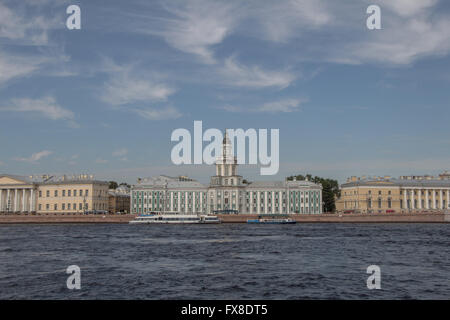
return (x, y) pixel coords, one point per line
(272, 221)
(175, 218)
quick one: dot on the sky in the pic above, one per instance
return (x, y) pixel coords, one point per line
(105, 99)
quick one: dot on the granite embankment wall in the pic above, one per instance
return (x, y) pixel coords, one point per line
(59, 218)
(353, 218)
(303, 218)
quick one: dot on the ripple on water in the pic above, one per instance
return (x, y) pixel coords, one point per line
(225, 261)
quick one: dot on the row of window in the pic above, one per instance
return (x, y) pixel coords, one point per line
(422, 192)
(63, 206)
(74, 206)
(63, 193)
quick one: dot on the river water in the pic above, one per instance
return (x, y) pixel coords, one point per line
(226, 261)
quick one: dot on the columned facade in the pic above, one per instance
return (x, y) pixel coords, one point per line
(388, 195)
(17, 194)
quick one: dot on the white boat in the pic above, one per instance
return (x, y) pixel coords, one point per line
(175, 217)
(272, 221)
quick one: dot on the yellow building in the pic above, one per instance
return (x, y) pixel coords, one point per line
(388, 195)
(119, 200)
(51, 194)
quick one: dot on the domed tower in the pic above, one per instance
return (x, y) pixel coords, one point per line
(226, 163)
(226, 188)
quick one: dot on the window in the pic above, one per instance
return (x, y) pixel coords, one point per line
(55, 207)
(40, 194)
(86, 193)
(56, 193)
(63, 206)
(48, 193)
(40, 207)
(69, 193)
(64, 193)
(68, 206)
(47, 206)
(389, 203)
(80, 207)
(74, 193)
(81, 193)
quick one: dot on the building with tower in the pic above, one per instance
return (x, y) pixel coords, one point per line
(226, 193)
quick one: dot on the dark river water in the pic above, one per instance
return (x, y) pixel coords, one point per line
(227, 261)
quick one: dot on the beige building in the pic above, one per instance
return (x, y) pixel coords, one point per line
(388, 195)
(119, 200)
(51, 194)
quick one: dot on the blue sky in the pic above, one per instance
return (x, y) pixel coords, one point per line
(105, 99)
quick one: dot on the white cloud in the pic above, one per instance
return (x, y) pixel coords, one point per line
(36, 156)
(198, 25)
(19, 29)
(407, 7)
(125, 86)
(405, 42)
(46, 107)
(411, 30)
(284, 20)
(254, 77)
(14, 67)
(32, 29)
(164, 113)
(100, 160)
(120, 152)
(124, 89)
(282, 106)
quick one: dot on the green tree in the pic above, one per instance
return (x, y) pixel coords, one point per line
(330, 190)
(113, 185)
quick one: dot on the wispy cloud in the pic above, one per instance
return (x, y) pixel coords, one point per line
(46, 107)
(13, 67)
(164, 113)
(124, 88)
(19, 30)
(129, 91)
(196, 26)
(121, 153)
(35, 156)
(27, 29)
(284, 20)
(254, 77)
(100, 161)
(282, 106)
